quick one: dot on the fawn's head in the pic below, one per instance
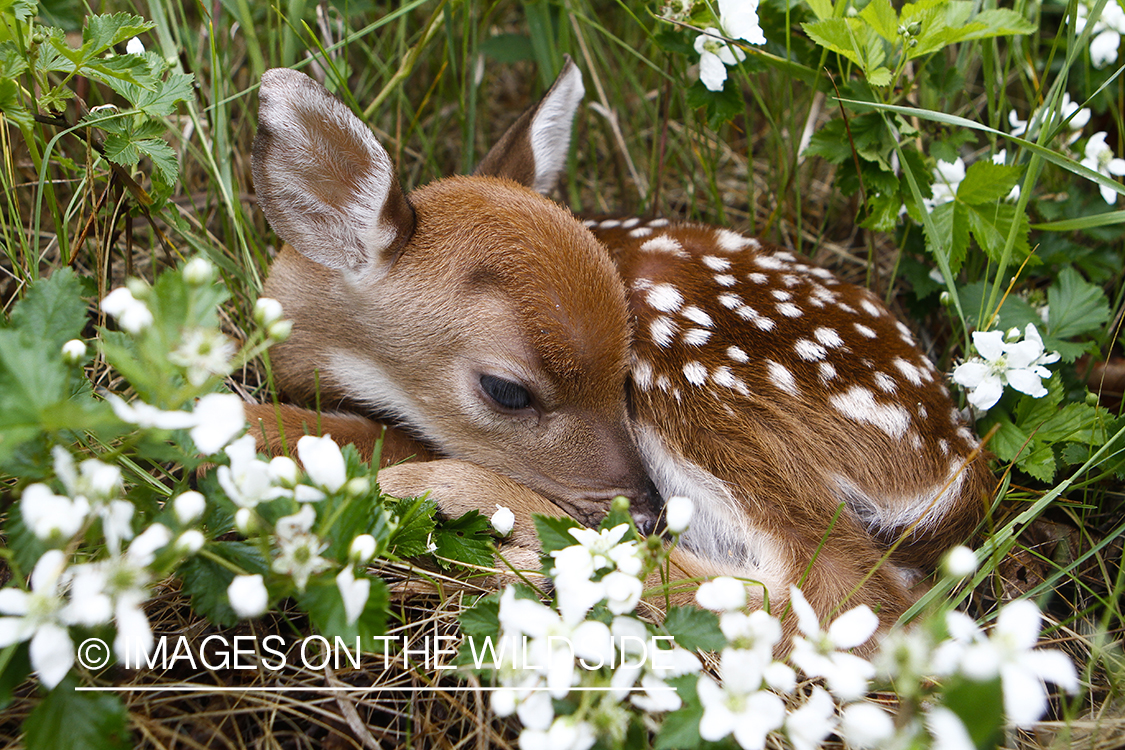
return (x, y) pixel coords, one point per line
(475, 312)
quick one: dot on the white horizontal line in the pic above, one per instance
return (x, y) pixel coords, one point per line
(268, 689)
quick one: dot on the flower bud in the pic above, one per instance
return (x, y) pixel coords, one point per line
(362, 548)
(284, 470)
(135, 47)
(267, 311)
(503, 520)
(1091, 398)
(280, 330)
(960, 562)
(74, 351)
(138, 288)
(190, 542)
(357, 487)
(677, 514)
(620, 504)
(189, 506)
(244, 521)
(199, 271)
(946, 299)
(248, 596)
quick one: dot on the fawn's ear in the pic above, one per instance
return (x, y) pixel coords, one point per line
(534, 149)
(324, 183)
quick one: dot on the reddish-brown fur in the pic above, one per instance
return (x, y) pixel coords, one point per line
(792, 408)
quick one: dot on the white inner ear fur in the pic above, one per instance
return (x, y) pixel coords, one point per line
(551, 126)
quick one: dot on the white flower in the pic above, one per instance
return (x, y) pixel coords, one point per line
(566, 733)
(219, 417)
(1019, 364)
(132, 314)
(738, 19)
(284, 471)
(749, 716)
(135, 46)
(622, 592)
(323, 461)
(816, 654)
(677, 514)
(267, 311)
(362, 548)
(947, 177)
(948, 731)
(503, 520)
(50, 516)
(714, 57)
(354, 591)
(198, 271)
(658, 696)
(142, 550)
(299, 549)
(74, 351)
(247, 481)
(1010, 652)
(723, 594)
(92, 479)
(1100, 158)
(144, 415)
(35, 615)
(189, 506)
(204, 353)
(248, 596)
(865, 725)
(1106, 34)
(117, 522)
(810, 724)
(1078, 117)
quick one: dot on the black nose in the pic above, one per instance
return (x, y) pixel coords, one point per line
(648, 510)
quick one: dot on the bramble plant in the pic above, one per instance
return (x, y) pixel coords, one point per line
(969, 151)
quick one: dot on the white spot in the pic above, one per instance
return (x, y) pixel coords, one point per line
(915, 440)
(665, 297)
(865, 331)
(641, 283)
(828, 337)
(642, 374)
(589, 223)
(731, 242)
(822, 273)
(965, 434)
(724, 377)
(662, 243)
(907, 335)
(677, 395)
(909, 371)
(821, 294)
(656, 223)
(859, 404)
(943, 446)
(696, 336)
(764, 324)
(870, 308)
(781, 378)
(809, 351)
(785, 256)
(741, 387)
(695, 315)
(781, 294)
(758, 278)
(716, 264)
(725, 279)
(663, 329)
(737, 354)
(630, 223)
(789, 310)
(609, 224)
(847, 308)
(790, 280)
(663, 383)
(747, 313)
(827, 371)
(729, 300)
(815, 302)
(954, 416)
(922, 413)
(885, 382)
(769, 262)
(640, 232)
(695, 373)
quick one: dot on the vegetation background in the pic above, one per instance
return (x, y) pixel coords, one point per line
(440, 80)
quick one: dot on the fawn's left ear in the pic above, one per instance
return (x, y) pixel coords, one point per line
(533, 151)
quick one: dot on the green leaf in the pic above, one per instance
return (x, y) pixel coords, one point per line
(1014, 313)
(951, 235)
(119, 149)
(102, 31)
(162, 100)
(15, 667)
(325, 605)
(722, 106)
(1075, 306)
(822, 8)
(162, 155)
(986, 182)
(695, 629)
(483, 618)
(880, 76)
(680, 730)
(21, 10)
(69, 720)
(52, 312)
(980, 707)
(415, 524)
(990, 225)
(467, 539)
(830, 142)
(850, 37)
(882, 18)
(553, 532)
(206, 581)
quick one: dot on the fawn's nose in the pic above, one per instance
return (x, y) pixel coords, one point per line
(647, 509)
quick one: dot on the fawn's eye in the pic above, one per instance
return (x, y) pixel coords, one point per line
(506, 393)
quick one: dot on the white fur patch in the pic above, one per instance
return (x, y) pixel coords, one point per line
(551, 127)
(662, 243)
(640, 232)
(642, 374)
(715, 264)
(769, 262)
(737, 354)
(723, 376)
(696, 337)
(630, 223)
(730, 301)
(909, 371)
(663, 330)
(664, 297)
(789, 310)
(781, 295)
(860, 404)
(731, 242)
(695, 315)
(610, 224)
(885, 382)
(809, 350)
(758, 278)
(870, 308)
(725, 279)
(781, 378)
(657, 223)
(828, 337)
(865, 331)
(827, 371)
(695, 373)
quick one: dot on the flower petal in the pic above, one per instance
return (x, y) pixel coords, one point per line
(52, 654)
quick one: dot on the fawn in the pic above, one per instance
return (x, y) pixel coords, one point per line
(547, 365)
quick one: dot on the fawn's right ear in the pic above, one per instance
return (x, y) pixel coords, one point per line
(533, 151)
(324, 183)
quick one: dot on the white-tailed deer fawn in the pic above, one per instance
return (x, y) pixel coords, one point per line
(549, 366)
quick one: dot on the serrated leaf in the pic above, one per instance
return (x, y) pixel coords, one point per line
(882, 18)
(69, 720)
(840, 35)
(553, 532)
(695, 629)
(102, 31)
(1075, 306)
(52, 312)
(161, 101)
(467, 539)
(880, 76)
(986, 182)
(205, 581)
(722, 106)
(415, 526)
(20, 9)
(119, 149)
(1014, 313)
(680, 730)
(830, 142)
(951, 234)
(162, 155)
(483, 618)
(822, 8)
(990, 225)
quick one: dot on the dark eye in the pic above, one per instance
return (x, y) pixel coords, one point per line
(506, 393)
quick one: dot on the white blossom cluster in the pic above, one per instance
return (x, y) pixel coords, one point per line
(736, 19)
(552, 651)
(1007, 358)
(1105, 37)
